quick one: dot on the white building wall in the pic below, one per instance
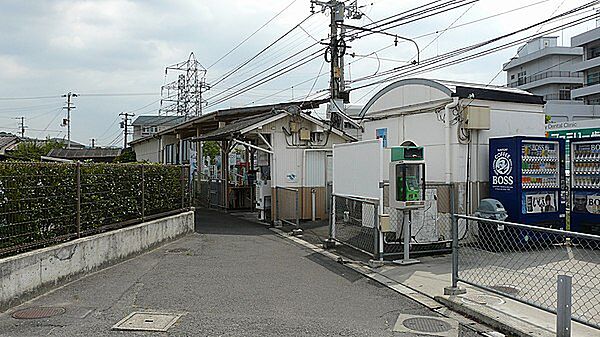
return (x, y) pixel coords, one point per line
(424, 129)
(288, 159)
(147, 151)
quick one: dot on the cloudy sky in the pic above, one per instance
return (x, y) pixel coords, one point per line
(114, 53)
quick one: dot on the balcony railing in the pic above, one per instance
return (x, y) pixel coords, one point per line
(541, 76)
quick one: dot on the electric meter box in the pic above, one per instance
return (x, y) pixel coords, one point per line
(407, 178)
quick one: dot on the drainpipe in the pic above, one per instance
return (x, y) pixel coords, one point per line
(448, 116)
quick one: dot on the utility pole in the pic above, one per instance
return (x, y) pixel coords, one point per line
(125, 126)
(93, 140)
(67, 121)
(22, 126)
(336, 49)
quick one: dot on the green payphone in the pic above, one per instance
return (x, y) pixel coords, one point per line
(407, 189)
(407, 177)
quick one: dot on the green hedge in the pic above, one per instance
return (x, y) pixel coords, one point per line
(38, 201)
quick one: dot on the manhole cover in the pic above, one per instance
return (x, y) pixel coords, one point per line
(426, 325)
(178, 250)
(147, 321)
(483, 299)
(35, 313)
(506, 289)
(422, 324)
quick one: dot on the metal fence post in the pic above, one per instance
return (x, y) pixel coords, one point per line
(182, 186)
(276, 207)
(298, 208)
(563, 308)
(377, 248)
(143, 188)
(454, 250)
(78, 212)
(454, 289)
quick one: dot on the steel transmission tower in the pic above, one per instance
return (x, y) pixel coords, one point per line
(183, 96)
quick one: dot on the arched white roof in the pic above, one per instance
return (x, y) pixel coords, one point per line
(420, 91)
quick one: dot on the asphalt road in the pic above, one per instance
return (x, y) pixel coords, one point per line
(231, 278)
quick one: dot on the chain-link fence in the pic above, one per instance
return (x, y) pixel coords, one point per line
(430, 226)
(523, 262)
(287, 205)
(45, 203)
(355, 223)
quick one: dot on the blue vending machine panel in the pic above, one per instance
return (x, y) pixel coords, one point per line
(527, 177)
(585, 185)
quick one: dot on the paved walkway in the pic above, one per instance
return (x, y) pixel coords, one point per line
(231, 278)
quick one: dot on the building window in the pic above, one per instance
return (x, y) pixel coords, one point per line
(149, 130)
(593, 78)
(593, 52)
(521, 77)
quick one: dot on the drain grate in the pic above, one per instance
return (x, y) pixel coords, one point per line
(147, 321)
(36, 313)
(426, 325)
(422, 324)
(483, 299)
(510, 290)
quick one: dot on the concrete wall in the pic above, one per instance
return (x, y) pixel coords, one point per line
(27, 275)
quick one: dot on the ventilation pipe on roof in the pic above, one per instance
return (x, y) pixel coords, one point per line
(447, 120)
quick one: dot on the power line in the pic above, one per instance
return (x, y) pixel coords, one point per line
(272, 66)
(430, 64)
(116, 94)
(519, 50)
(251, 35)
(27, 98)
(231, 72)
(269, 77)
(481, 44)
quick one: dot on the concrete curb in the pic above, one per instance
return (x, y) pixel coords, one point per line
(495, 319)
(400, 288)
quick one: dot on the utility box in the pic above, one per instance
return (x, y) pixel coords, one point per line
(407, 178)
(477, 117)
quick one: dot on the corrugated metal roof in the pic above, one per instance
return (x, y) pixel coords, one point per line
(158, 120)
(83, 153)
(7, 139)
(230, 130)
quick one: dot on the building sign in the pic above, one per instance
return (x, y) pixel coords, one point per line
(539, 203)
(502, 178)
(573, 130)
(382, 133)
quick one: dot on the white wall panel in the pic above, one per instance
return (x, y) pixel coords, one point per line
(357, 169)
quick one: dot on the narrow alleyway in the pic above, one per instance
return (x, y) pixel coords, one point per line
(231, 278)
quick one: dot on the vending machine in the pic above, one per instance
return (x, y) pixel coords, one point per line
(585, 185)
(527, 176)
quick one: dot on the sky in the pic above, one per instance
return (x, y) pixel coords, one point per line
(113, 54)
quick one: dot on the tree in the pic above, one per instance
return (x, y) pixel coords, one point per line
(126, 156)
(211, 149)
(33, 151)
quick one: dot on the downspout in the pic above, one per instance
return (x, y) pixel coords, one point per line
(447, 118)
